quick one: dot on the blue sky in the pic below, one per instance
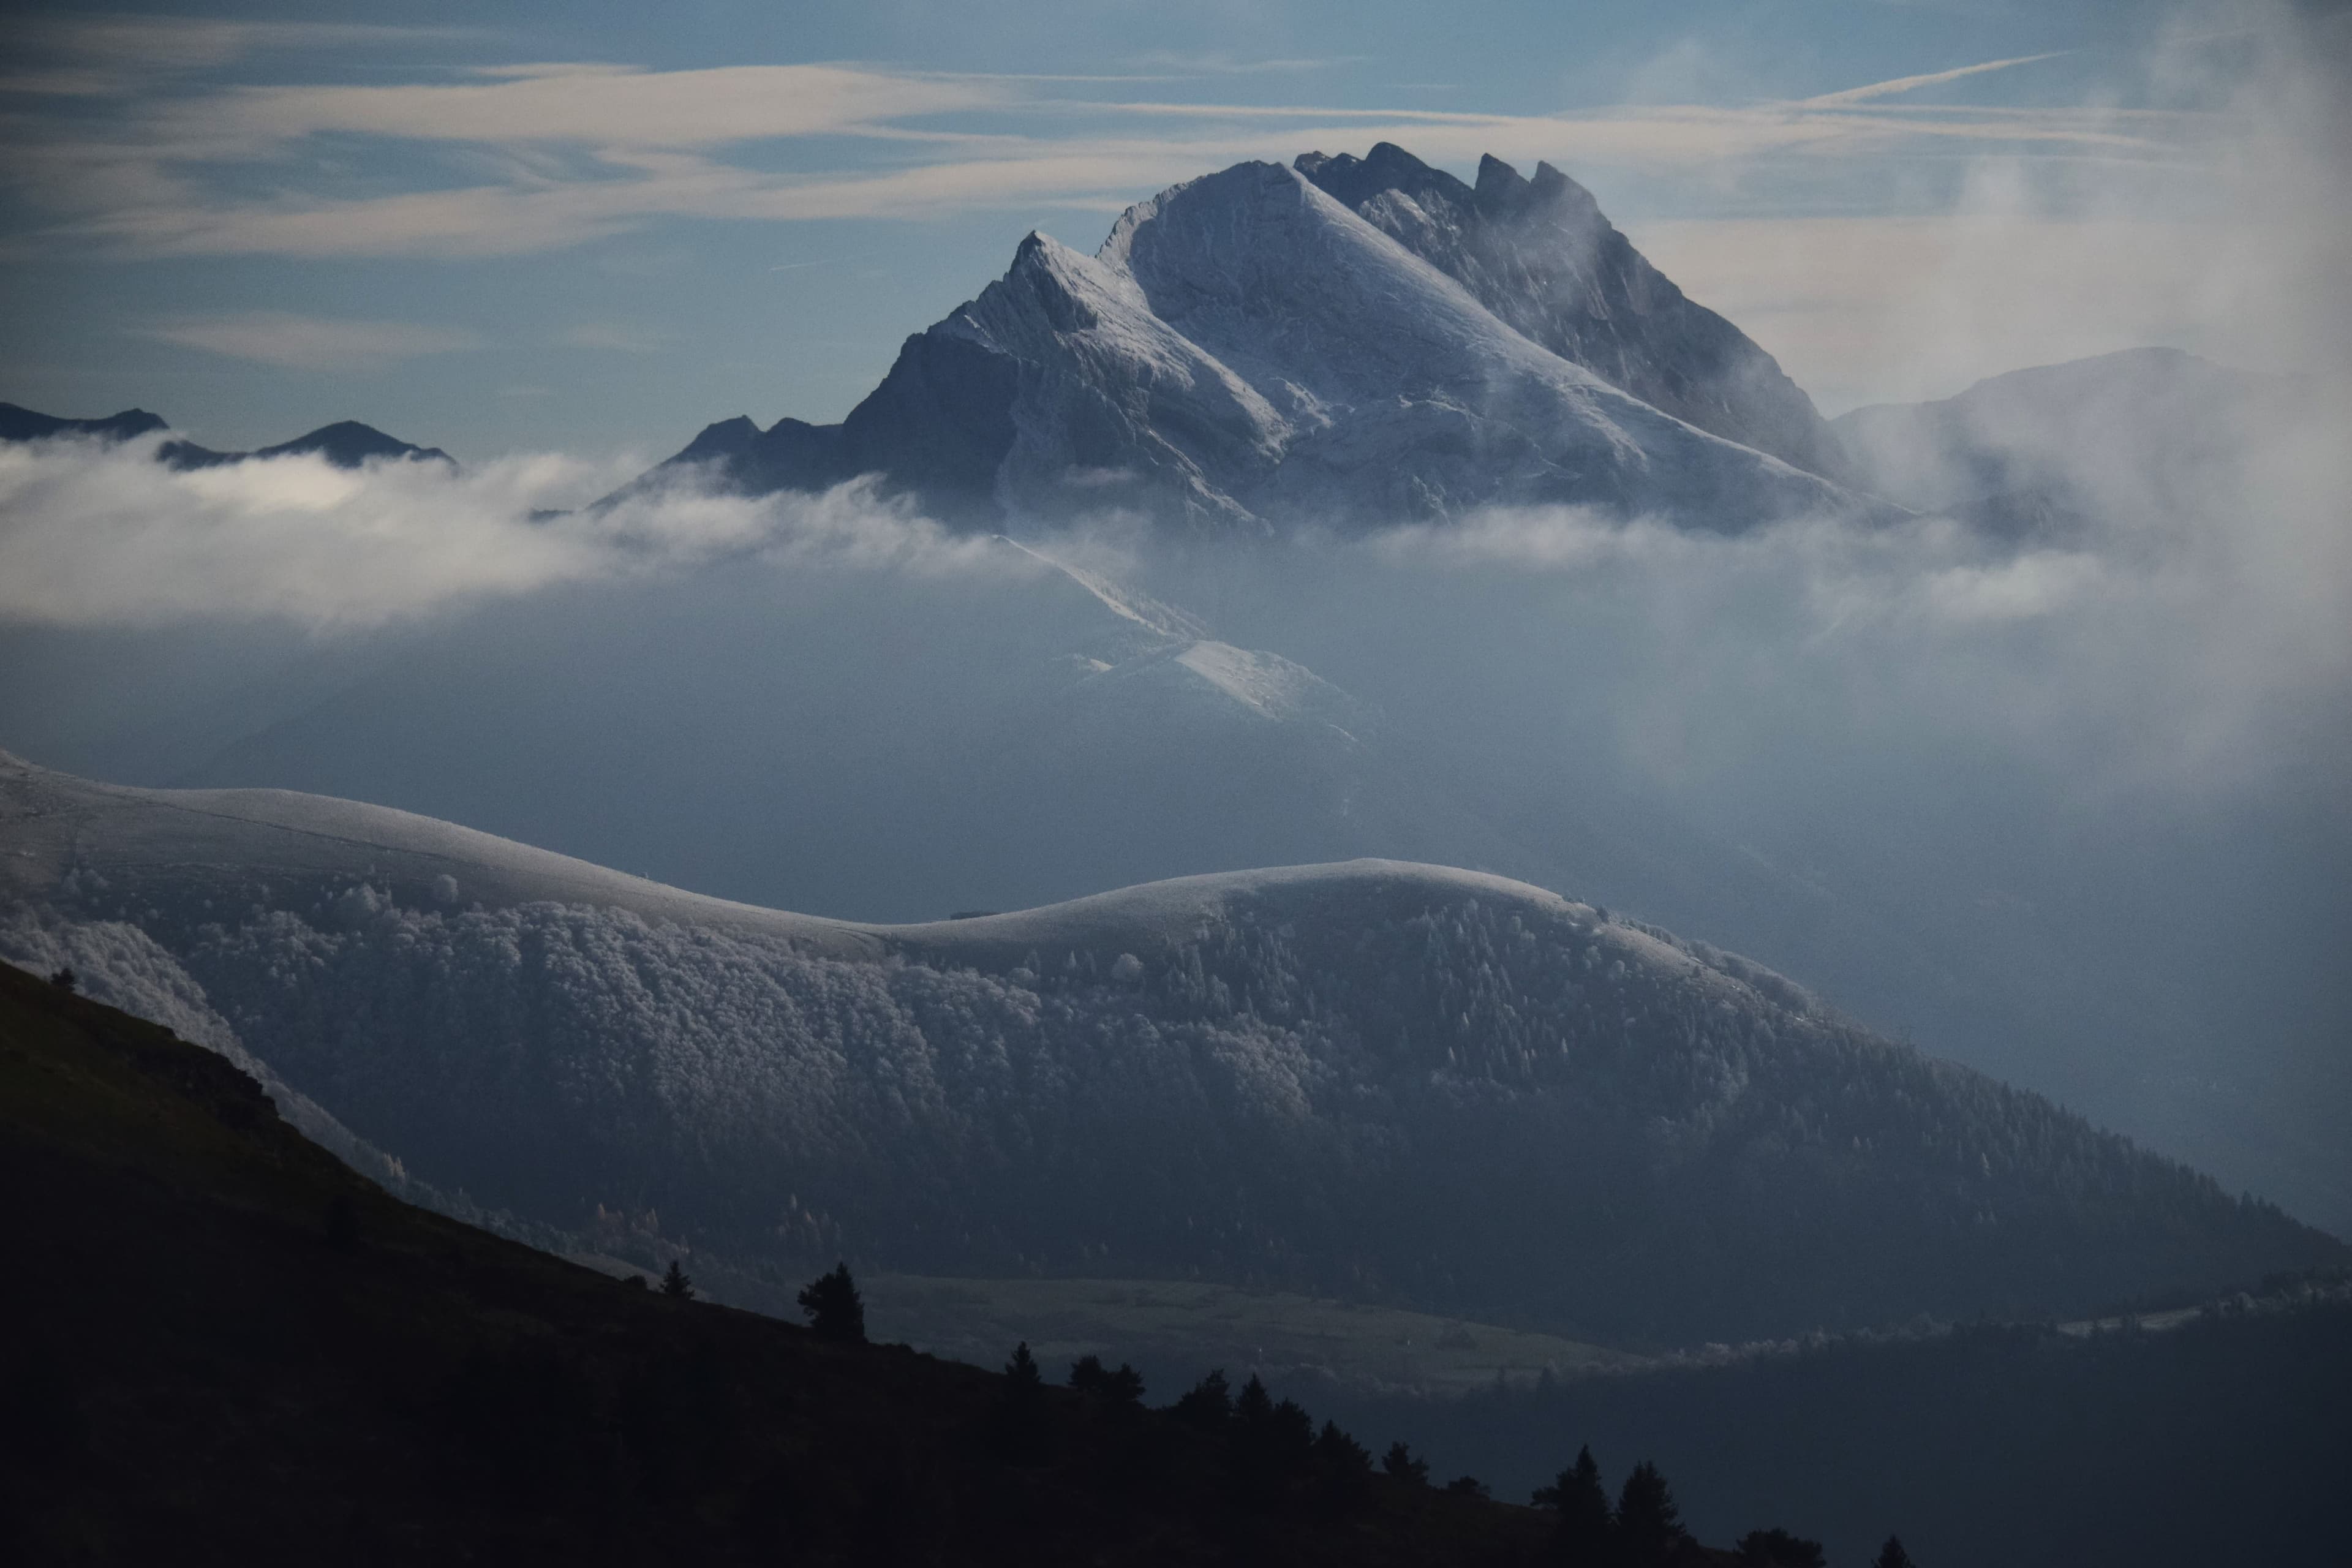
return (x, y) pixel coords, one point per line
(598, 227)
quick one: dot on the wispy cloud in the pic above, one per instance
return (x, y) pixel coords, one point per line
(1218, 64)
(594, 106)
(1853, 95)
(99, 535)
(584, 151)
(110, 55)
(310, 342)
(617, 336)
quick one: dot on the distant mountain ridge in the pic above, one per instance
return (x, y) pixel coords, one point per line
(19, 424)
(2046, 451)
(1345, 343)
(346, 444)
(1376, 1080)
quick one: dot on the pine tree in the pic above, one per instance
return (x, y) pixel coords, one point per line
(65, 980)
(1120, 1390)
(1341, 1455)
(1775, 1548)
(1209, 1402)
(1343, 1467)
(1022, 1429)
(675, 1283)
(835, 1308)
(1400, 1462)
(1892, 1554)
(1582, 1504)
(1649, 1525)
(1253, 1407)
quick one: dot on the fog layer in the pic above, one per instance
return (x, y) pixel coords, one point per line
(2060, 800)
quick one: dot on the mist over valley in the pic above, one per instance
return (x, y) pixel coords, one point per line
(1352, 791)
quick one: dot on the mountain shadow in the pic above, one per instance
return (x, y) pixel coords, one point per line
(239, 1351)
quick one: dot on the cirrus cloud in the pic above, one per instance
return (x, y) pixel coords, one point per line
(311, 342)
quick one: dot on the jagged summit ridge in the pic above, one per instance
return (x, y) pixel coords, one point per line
(1539, 254)
(1346, 343)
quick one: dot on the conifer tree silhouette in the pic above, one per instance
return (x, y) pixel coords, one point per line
(1777, 1548)
(677, 1284)
(1209, 1402)
(1401, 1463)
(1649, 1525)
(1119, 1392)
(1892, 1554)
(835, 1308)
(1582, 1504)
(1021, 1415)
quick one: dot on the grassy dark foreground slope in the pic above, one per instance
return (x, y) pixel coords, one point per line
(221, 1345)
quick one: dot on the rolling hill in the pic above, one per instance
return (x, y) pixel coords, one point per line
(1376, 1080)
(241, 1353)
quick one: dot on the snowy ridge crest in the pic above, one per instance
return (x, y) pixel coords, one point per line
(1317, 1077)
(1346, 343)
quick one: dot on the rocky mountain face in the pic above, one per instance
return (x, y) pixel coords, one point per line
(1376, 1080)
(1250, 351)
(1540, 255)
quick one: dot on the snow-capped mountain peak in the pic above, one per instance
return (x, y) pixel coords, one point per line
(1344, 343)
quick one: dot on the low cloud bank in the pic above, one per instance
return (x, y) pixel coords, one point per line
(2065, 800)
(101, 535)
(2188, 626)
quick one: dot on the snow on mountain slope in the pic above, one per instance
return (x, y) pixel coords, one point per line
(1539, 256)
(183, 848)
(1405, 396)
(1246, 352)
(1376, 1080)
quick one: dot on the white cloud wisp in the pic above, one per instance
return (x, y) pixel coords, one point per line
(102, 535)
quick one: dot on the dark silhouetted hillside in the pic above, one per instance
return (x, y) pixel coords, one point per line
(222, 1346)
(2219, 1440)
